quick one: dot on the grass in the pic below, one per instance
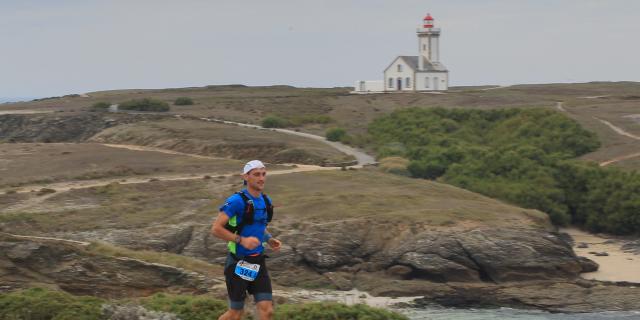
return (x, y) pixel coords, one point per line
(384, 198)
(221, 140)
(355, 112)
(43, 304)
(24, 163)
(170, 259)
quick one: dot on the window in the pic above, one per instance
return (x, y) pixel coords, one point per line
(407, 82)
(390, 82)
(399, 68)
(426, 82)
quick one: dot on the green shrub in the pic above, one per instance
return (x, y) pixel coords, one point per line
(273, 121)
(186, 307)
(524, 156)
(144, 104)
(183, 101)
(100, 106)
(335, 134)
(333, 311)
(41, 304)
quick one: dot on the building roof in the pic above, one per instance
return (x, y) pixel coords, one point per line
(412, 61)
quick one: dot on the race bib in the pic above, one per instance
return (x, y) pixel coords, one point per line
(247, 271)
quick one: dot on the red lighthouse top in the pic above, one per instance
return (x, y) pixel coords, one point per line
(428, 21)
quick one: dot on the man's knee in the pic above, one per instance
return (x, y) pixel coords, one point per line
(265, 308)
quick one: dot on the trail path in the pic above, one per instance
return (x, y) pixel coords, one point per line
(362, 158)
(618, 130)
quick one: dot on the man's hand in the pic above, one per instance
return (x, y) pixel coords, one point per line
(249, 242)
(275, 244)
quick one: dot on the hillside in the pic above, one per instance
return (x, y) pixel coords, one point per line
(147, 185)
(588, 103)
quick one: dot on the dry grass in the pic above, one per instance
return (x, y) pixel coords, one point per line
(301, 198)
(30, 163)
(335, 196)
(170, 259)
(355, 112)
(215, 139)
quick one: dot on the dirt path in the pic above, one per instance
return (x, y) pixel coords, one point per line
(618, 130)
(3, 112)
(619, 265)
(80, 184)
(153, 149)
(621, 158)
(362, 158)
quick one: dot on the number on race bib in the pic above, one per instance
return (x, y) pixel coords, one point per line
(247, 271)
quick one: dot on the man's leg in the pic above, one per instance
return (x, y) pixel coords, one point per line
(265, 309)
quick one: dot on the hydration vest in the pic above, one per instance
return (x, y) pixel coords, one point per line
(246, 218)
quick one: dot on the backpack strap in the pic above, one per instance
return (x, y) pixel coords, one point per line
(267, 202)
(247, 217)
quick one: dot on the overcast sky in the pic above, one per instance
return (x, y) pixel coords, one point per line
(50, 48)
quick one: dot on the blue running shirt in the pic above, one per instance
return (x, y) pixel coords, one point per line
(234, 207)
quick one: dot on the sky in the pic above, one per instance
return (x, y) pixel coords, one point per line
(57, 47)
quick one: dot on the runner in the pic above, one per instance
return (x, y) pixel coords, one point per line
(242, 221)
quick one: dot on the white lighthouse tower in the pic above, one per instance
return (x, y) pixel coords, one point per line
(423, 72)
(428, 41)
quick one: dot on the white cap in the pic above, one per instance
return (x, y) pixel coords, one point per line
(253, 164)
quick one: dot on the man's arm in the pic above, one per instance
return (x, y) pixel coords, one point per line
(274, 243)
(218, 230)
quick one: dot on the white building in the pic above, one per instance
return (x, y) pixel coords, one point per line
(423, 72)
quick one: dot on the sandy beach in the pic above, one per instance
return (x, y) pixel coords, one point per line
(619, 265)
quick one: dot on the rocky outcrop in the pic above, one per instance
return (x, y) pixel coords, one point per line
(72, 268)
(489, 255)
(61, 128)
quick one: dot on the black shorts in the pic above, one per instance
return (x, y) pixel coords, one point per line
(237, 287)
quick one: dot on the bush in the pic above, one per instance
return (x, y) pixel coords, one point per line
(332, 311)
(524, 156)
(273, 121)
(41, 304)
(144, 104)
(183, 101)
(335, 134)
(186, 307)
(100, 106)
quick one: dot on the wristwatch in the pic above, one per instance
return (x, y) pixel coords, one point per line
(238, 239)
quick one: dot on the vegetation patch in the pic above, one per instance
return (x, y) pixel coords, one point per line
(336, 134)
(43, 304)
(100, 106)
(183, 101)
(273, 121)
(145, 104)
(519, 155)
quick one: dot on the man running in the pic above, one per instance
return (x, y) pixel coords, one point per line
(242, 221)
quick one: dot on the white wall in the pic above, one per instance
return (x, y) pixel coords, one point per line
(442, 78)
(392, 72)
(369, 86)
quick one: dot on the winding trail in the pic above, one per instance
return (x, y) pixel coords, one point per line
(618, 130)
(362, 158)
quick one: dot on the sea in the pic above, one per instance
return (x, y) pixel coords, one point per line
(437, 313)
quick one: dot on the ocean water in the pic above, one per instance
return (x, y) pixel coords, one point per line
(436, 313)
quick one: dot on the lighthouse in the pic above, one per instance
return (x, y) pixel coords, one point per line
(423, 72)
